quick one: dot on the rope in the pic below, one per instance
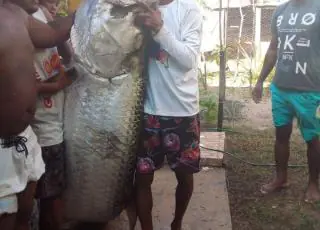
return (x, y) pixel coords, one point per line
(235, 156)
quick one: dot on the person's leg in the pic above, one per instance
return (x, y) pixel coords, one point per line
(25, 207)
(181, 142)
(51, 213)
(144, 200)
(313, 193)
(7, 221)
(8, 210)
(150, 158)
(183, 195)
(131, 212)
(8, 203)
(34, 221)
(282, 153)
(90, 226)
(283, 114)
(50, 188)
(307, 106)
(26, 165)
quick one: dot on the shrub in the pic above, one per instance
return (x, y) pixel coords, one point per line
(209, 107)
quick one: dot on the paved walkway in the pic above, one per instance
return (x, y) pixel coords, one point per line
(209, 206)
(208, 209)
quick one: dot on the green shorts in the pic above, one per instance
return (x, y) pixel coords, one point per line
(305, 106)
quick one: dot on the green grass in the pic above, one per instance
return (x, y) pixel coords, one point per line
(250, 210)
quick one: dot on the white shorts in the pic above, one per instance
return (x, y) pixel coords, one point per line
(18, 167)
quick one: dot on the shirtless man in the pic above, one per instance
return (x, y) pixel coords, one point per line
(48, 124)
(295, 89)
(21, 163)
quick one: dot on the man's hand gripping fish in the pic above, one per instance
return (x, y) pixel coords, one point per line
(102, 109)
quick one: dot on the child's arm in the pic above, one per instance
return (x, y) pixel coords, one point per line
(66, 53)
(25, 205)
(64, 49)
(63, 81)
(54, 87)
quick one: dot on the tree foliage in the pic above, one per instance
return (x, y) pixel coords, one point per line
(63, 8)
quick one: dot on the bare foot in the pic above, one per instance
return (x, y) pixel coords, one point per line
(274, 186)
(312, 194)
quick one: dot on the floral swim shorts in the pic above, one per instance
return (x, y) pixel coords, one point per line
(176, 138)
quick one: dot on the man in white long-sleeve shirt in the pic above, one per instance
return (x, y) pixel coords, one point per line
(171, 121)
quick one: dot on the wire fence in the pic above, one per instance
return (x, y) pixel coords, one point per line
(236, 39)
(245, 35)
(239, 31)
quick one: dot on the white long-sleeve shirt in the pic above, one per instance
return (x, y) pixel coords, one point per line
(172, 88)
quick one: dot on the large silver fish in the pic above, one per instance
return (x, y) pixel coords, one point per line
(102, 110)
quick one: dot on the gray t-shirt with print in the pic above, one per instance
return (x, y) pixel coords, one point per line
(296, 25)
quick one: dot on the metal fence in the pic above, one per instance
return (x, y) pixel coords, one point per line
(236, 36)
(230, 70)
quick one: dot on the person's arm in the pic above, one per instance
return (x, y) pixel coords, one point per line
(65, 52)
(49, 87)
(186, 50)
(270, 60)
(49, 35)
(272, 52)
(54, 87)
(63, 49)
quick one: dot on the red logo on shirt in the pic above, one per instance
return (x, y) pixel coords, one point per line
(52, 64)
(47, 101)
(55, 61)
(47, 67)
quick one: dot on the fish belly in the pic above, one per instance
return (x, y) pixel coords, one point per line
(102, 114)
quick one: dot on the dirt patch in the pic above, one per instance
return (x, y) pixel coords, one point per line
(249, 209)
(252, 138)
(257, 116)
(240, 110)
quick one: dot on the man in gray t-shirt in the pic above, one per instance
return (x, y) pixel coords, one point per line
(295, 51)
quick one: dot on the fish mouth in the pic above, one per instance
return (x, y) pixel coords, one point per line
(121, 11)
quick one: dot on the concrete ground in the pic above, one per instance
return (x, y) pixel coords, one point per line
(209, 206)
(208, 209)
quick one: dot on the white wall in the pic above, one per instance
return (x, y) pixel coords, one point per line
(211, 34)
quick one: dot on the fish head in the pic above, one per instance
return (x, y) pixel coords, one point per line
(104, 35)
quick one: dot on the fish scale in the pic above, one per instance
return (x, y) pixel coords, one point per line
(102, 111)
